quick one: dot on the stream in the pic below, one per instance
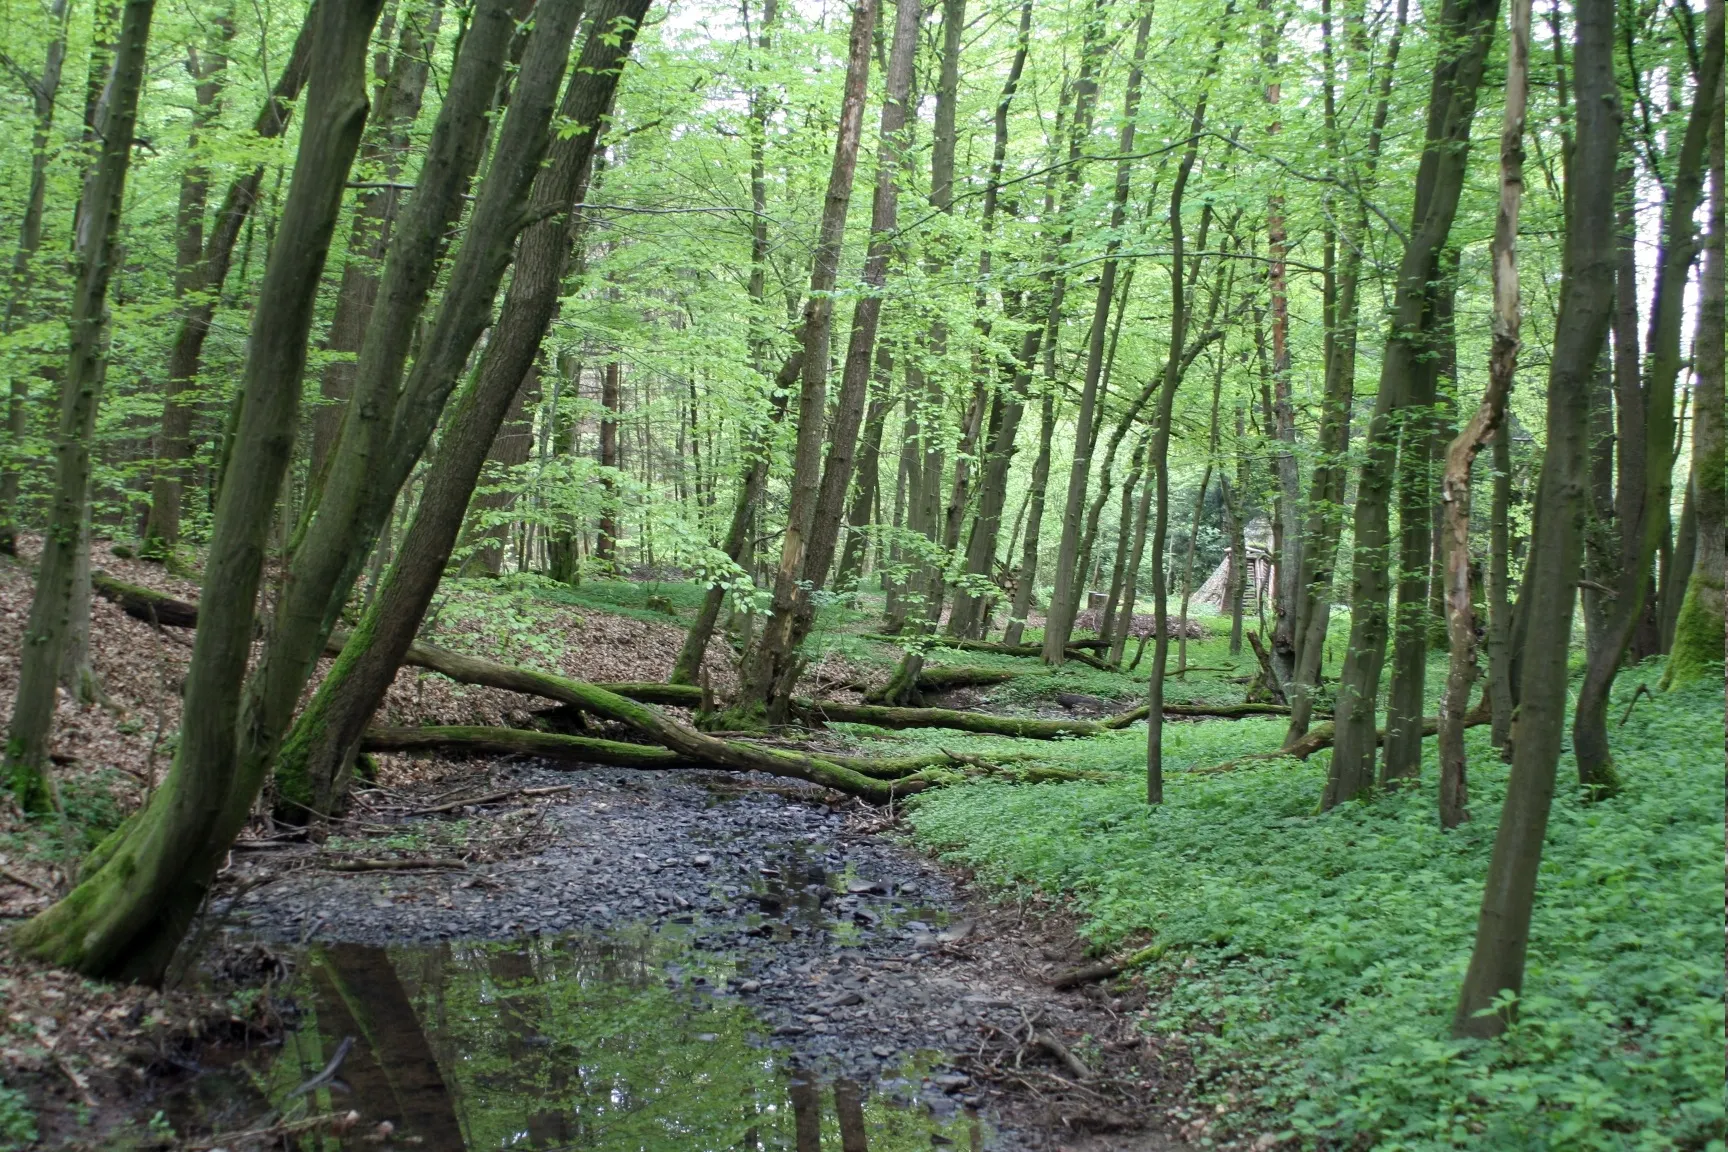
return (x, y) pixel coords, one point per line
(680, 963)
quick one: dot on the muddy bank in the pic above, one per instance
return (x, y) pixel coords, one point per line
(845, 957)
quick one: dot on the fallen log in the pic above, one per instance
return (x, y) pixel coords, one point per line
(145, 604)
(919, 771)
(882, 716)
(1080, 650)
(1108, 969)
(1320, 737)
(939, 678)
(1216, 711)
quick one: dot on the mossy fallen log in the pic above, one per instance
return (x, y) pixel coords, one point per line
(1320, 737)
(1081, 650)
(938, 678)
(145, 604)
(1213, 711)
(869, 779)
(896, 719)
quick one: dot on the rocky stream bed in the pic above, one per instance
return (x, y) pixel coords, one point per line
(656, 945)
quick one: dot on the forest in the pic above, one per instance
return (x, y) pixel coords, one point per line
(1241, 483)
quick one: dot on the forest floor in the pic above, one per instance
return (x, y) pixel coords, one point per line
(757, 933)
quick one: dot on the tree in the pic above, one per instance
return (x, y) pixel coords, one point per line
(127, 915)
(1557, 546)
(52, 608)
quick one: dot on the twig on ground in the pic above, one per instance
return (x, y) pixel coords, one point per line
(24, 881)
(364, 865)
(1641, 690)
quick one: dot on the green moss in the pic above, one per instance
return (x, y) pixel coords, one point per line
(1697, 650)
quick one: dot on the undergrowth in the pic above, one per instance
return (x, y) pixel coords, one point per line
(1314, 960)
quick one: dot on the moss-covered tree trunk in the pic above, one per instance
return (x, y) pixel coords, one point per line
(142, 887)
(53, 607)
(1557, 546)
(1639, 544)
(313, 766)
(1698, 633)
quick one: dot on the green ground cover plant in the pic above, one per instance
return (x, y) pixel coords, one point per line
(1314, 960)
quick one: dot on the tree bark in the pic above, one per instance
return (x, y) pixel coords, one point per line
(1325, 520)
(1064, 597)
(765, 664)
(383, 153)
(173, 438)
(1488, 422)
(611, 406)
(1467, 27)
(1503, 928)
(44, 91)
(1639, 543)
(142, 886)
(1698, 638)
(53, 608)
(862, 344)
(311, 771)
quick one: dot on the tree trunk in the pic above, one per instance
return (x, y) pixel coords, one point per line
(383, 153)
(1065, 596)
(1639, 543)
(311, 772)
(1160, 450)
(173, 438)
(1026, 578)
(1325, 520)
(766, 663)
(142, 887)
(1503, 929)
(1698, 639)
(511, 446)
(1287, 517)
(1488, 422)
(611, 406)
(44, 91)
(1199, 511)
(862, 345)
(1440, 178)
(53, 608)
(869, 483)
(1416, 543)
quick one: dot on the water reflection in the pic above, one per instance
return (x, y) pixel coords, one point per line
(612, 1043)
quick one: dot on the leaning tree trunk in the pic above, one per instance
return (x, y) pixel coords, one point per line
(198, 310)
(383, 153)
(1679, 246)
(44, 91)
(311, 772)
(1557, 547)
(391, 418)
(1698, 640)
(126, 918)
(1488, 422)
(1440, 179)
(765, 664)
(52, 607)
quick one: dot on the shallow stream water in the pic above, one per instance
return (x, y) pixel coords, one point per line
(667, 973)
